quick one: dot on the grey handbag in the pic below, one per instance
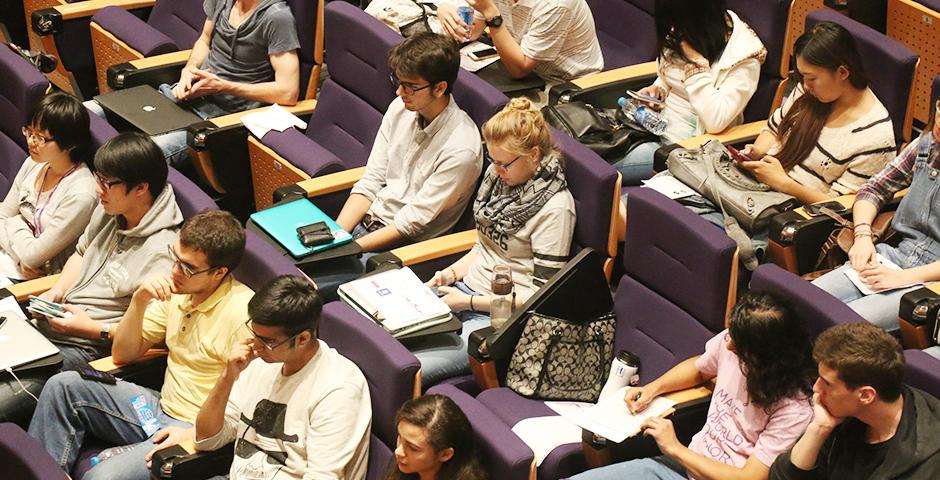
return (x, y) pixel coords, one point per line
(557, 359)
(745, 202)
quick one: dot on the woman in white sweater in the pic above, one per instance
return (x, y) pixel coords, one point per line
(708, 69)
(53, 194)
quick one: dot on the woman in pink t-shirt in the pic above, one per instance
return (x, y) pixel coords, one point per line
(763, 371)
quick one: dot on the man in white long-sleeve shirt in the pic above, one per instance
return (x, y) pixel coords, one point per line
(303, 411)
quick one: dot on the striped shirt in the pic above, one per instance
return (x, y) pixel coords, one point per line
(844, 157)
(559, 34)
(899, 174)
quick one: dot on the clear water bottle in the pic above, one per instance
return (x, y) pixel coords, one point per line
(501, 302)
(643, 116)
(110, 452)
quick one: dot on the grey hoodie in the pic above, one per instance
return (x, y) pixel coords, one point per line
(116, 261)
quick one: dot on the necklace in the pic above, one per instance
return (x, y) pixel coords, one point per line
(37, 214)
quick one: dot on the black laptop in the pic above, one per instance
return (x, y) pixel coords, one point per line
(146, 109)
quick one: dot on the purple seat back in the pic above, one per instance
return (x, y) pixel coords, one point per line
(305, 18)
(624, 46)
(674, 295)
(890, 66)
(344, 124)
(190, 198)
(380, 457)
(21, 86)
(820, 309)
(181, 20)
(922, 371)
(357, 53)
(768, 18)
(931, 4)
(477, 97)
(24, 458)
(388, 366)
(591, 182)
(262, 262)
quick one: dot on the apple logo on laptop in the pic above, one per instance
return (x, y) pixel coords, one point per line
(149, 108)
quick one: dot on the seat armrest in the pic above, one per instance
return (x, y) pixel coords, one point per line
(604, 88)
(731, 135)
(333, 182)
(640, 70)
(151, 71)
(303, 107)
(23, 290)
(48, 21)
(435, 248)
(184, 462)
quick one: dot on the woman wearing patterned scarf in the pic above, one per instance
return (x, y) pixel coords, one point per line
(525, 219)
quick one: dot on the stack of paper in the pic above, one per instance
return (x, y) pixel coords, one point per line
(611, 419)
(865, 289)
(274, 117)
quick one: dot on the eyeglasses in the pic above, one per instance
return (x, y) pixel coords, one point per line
(104, 183)
(185, 267)
(408, 88)
(269, 343)
(501, 166)
(39, 139)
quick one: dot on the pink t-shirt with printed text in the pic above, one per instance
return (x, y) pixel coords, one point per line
(735, 429)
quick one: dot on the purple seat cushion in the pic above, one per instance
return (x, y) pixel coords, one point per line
(388, 366)
(135, 32)
(359, 62)
(302, 152)
(23, 458)
(889, 64)
(923, 371)
(344, 124)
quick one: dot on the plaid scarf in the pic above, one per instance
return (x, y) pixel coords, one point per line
(507, 208)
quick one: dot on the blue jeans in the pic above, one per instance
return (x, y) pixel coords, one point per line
(445, 356)
(633, 470)
(878, 308)
(637, 164)
(72, 408)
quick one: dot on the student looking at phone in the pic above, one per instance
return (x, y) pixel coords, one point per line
(763, 371)
(707, 70)
(198, 310)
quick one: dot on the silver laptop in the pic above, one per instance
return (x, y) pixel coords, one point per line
(21, 343)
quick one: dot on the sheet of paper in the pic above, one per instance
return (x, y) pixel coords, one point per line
(544, 434)
(669, 186)
(857, 281)
(274, 117)
(569, 409)
(473, 65)
(611, 419)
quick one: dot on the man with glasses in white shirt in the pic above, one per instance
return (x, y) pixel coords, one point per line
(197, 310)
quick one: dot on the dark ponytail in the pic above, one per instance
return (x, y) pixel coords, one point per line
(827, 45)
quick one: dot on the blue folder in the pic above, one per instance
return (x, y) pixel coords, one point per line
(281, 222)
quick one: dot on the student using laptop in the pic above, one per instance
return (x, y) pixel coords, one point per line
(124, 243)
(425, 160)
(525, 219)
(53, 194)
(245, 57)
(198, 310)
(303, 411)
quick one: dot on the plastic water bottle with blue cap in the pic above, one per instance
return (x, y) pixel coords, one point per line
(643, 116)
(110, 453)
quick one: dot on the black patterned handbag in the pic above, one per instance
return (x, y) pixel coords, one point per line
(557, 359)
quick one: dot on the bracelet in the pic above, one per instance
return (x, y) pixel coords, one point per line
(454, 273)
(863, 234)
(471, 303)
(862, 224)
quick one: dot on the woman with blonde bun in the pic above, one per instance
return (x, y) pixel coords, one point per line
(525, 219)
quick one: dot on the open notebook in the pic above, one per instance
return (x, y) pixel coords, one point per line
(397, 300)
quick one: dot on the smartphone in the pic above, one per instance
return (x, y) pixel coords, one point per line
(814, 209)
(93, 375)
(47, 312)
(483, 54)
(45, 303)
(317, 227)
(437, 292)
(738, 156)
(644, 98)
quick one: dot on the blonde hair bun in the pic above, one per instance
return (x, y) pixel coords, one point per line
(519, 104)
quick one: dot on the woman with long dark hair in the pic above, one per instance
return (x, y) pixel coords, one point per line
(52, 197)
(435, 442)
(707, 70)
(763, 370)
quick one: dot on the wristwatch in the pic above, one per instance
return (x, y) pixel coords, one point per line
(495, 22)
(105, 333)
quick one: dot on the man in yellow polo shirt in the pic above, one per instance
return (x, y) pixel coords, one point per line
(198, 311)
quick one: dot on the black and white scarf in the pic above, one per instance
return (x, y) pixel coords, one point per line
(507, 208)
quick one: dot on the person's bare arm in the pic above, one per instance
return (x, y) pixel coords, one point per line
(284, 90)
(353, 210)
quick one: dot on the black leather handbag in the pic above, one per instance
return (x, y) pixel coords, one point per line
(607, 131)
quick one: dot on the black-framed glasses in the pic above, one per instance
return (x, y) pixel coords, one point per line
(409, 88)
(269, 343)
(486, 153)
(104, 183)
(185, 267)
(39, 139)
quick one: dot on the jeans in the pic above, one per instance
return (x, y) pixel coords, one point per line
(878, 308)
(637, 164)
(173, 143)
(640, 469)
(72, 408)
(445, 356)
(342, 270)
